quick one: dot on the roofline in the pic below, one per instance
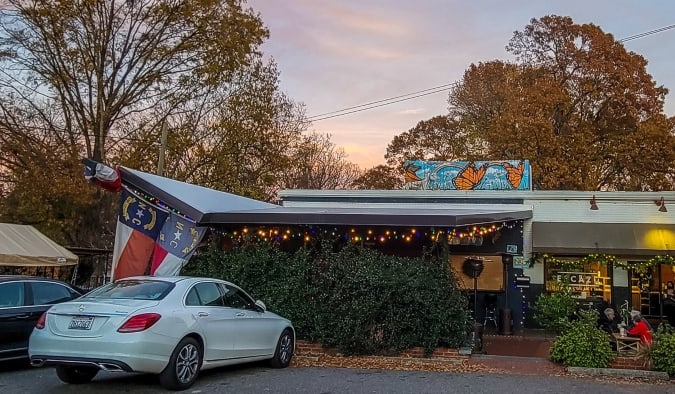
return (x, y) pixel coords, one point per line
(522, 195)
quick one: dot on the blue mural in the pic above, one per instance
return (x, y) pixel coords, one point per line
(468, 175)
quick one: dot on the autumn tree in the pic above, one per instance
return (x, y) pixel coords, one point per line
(438, 138)
(86, 77)
(381, 177)
(238, 138)
(575, 103)
(318, 164)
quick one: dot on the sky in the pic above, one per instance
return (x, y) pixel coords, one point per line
(337, 54)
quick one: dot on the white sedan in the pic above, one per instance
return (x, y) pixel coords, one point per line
(171, 326)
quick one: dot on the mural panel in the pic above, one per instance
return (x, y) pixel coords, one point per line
(468, 175)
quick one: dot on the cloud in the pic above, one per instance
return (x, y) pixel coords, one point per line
(412, 111)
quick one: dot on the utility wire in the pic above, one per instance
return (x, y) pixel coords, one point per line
(434, 90)
(378, 105)
(446, 86)
(647, 33)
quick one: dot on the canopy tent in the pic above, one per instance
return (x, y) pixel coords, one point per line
(211, 207)
(23, 245)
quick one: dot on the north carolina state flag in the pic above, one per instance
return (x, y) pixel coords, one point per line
(138, 227)
(176, 243)
(102, 175)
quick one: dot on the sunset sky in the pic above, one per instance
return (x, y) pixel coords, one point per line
(335, 54)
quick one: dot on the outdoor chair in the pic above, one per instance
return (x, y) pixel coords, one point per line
(490, 302)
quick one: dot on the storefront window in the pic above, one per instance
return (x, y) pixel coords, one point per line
(649, 288)
(590, 282)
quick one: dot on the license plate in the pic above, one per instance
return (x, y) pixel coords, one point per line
(81, 323)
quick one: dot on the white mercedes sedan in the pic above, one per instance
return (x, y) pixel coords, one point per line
(171, 326)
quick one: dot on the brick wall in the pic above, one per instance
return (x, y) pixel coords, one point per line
(630, 363)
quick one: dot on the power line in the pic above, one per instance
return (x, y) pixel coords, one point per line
(647, 33)
(446, 87)
(378, 105)
(434, 90)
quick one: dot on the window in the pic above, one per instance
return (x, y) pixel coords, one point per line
(192, 298)
(588, 281)
(11, 294)
(47, 293)
(135, 289)
(208, 294)
(236, 298)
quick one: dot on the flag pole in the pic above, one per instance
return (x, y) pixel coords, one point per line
(162, 148)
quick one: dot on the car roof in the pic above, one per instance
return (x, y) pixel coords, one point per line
(174, 279)
(11, 278)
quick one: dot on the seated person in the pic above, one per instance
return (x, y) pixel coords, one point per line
(669, 302)
(669, 293)
(637, 314)
(608, 321)
(640, 329)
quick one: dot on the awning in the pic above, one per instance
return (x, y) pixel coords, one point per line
(610, 238)
(371, 216)
(192, 200)
(22, 245)
(212, 207)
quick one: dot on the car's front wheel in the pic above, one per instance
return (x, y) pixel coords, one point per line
(284, 351)
(183, 367)
(76, 375)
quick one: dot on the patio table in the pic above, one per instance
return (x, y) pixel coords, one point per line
(626, 344)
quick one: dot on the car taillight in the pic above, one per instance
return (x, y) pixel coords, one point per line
(42, 321)
(139, 322)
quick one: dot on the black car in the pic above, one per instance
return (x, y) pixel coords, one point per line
(23, 299)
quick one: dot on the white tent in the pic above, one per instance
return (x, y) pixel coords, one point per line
(23, 245)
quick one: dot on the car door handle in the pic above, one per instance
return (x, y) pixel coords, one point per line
(240, 314)
(24, 316)
(202, 314)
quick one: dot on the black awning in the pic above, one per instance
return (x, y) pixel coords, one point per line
(611, 238)
(370, 216)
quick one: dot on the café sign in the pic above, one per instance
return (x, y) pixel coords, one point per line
(575, 278)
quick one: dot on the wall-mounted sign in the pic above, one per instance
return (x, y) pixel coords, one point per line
(512, 249)
(520, 262)
(576, 278)
(523, 281)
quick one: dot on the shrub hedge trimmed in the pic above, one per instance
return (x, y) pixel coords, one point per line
(355, 299)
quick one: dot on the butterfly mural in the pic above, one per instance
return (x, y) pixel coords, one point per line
(410, 173)
(514, 174)
(475, 175)
(469, 177)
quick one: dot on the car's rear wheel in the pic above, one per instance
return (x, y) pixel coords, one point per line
(284, 351)
(183, 367)
(76, 375)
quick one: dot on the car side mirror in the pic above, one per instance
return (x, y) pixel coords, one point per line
(261, 305)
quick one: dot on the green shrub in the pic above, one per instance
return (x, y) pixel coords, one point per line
(553, 311)
(279, 279)
(583, 344)
(662, 351)
(355, 299)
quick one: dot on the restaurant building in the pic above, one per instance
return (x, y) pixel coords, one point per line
(611, 246)
(607, 246)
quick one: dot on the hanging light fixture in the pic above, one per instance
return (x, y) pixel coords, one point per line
(661, 204)
(594, 204)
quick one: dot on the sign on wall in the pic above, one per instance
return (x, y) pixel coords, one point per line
(468, 175)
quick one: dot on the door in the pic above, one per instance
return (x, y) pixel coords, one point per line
(205, 301)
(16, 320)
(256, 333)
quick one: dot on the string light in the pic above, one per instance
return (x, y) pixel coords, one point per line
(155, 201)
(469, 236)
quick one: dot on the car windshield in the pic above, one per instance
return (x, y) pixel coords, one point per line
(138, 289)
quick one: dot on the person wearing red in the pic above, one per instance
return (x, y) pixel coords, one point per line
(640, 330)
